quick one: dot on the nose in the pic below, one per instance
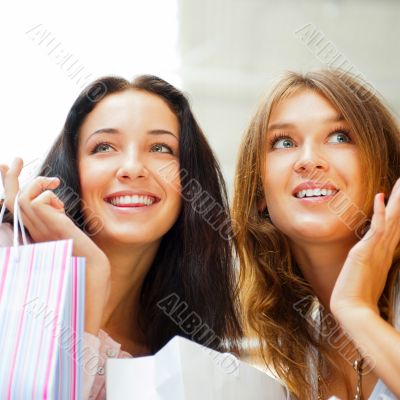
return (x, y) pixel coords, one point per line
(310, 160)
(132, 167)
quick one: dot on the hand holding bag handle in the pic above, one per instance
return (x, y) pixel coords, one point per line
(46, 220)
(40, 351)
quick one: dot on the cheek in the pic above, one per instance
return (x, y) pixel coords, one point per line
(279, 166)
(90, 178)
(83, 179)
(276, 209)
(174, 191)
(168, 174)
(274, 183)
(348, 165)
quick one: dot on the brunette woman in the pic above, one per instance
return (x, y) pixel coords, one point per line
(126, 180)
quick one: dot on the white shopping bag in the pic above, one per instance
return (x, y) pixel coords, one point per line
(184, 370)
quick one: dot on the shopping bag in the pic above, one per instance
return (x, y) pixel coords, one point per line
(184, 370)
(41, 318)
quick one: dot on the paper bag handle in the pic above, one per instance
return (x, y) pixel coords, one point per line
(17, 222)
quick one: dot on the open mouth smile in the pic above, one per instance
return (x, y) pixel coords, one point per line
(314, 192)
(131, 202)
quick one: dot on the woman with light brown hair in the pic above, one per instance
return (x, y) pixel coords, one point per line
(317, 206)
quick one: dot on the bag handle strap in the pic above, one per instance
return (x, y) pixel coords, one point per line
(17, 222)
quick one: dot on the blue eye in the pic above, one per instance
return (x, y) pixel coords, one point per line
(339, 137)
(282, 142)
(161, 148)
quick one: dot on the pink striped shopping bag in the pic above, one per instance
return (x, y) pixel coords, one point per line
(41, 319)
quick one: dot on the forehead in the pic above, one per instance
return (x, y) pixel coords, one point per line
(303, 105)
(131, 109)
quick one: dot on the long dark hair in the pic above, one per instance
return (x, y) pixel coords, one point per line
(190, 289)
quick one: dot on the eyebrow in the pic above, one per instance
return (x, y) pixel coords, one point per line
(116, 131)
(284, 125)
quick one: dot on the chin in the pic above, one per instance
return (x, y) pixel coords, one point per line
(127, 236)
(315, 230)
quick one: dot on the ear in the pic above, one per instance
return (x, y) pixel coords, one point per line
(261, 205)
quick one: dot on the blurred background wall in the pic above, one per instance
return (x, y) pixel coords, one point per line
(224, 54)
(232, 50)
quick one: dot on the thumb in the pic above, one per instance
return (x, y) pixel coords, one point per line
(3, 169)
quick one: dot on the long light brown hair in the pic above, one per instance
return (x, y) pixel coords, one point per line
(271, 281)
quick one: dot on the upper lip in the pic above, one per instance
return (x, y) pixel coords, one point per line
(313, 185)
(131, 193)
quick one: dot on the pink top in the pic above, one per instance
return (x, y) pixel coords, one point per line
(102, 347)
(97, 349)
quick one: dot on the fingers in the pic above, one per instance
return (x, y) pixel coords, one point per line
(378, 221)
(9, 176)
(36, 200)
(393, 216)
(48, 198)
(393, 203)
(3, 169)
(16, 167)
(38, 186)
(41, 209)
(31, 191)
(385, 226)
(36, 195)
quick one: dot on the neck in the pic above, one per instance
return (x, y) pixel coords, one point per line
(129, 266)
(321, 264)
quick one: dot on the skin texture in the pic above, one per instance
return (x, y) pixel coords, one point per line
(313, 144)
(133, 159)
(143, 157)
(347, 274)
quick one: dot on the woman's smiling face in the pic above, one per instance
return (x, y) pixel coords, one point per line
(311, 162)
(128, 157)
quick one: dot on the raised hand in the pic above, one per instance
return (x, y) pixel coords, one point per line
(44, 217)
(42, 211)
(354, 300)
(364, 273)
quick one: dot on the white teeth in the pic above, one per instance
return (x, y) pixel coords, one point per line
(315, 192)
(302, 193)
(119, 200)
